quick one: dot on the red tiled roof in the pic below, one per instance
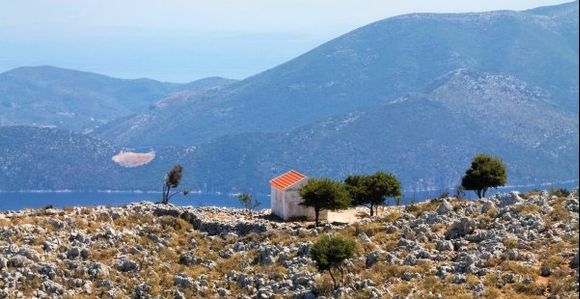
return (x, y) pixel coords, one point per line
(286, 180)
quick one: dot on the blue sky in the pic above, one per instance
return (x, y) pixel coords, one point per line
(184, 40)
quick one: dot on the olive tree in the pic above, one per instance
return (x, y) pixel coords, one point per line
(485, 172)
(329, 252)
(373, 190)
(324, 194)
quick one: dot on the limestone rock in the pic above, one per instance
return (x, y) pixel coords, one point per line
(444, 208)
(126, 265)
(460, 228)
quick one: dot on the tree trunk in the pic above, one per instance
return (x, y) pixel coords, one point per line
(333, 279)
(372, 211)
(484, 190)
(341, 274)
(164, 195)
(316, 213)
(478, 192)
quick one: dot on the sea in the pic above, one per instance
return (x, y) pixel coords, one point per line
(11, 201)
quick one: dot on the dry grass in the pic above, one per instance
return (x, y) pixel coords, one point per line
(492, 280)
(439, 227)
(559, 214)
(554, 261)
(511, 243)
(489, 216)
(402, 288)
(527, 209)
(519, 268)
(175, 224)
(419, 209)
(559, 192)
(528, 289)
(563, 284)
(491, 292)
(324, 286)
(429, 245)
(158, 269)
(392, 217)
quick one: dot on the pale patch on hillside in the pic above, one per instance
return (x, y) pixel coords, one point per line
(131, 159)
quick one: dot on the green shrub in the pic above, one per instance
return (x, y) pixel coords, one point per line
(560, 192)
(330, 251)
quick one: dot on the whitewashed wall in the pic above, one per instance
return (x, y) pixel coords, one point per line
(286, 204)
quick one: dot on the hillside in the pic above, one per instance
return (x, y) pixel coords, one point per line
(426, 138)
(505, 246)
(33, 158)
(377, 62)
(406, 111)
(40, 158)
(50, 96)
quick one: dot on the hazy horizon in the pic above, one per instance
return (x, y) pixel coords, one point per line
(181, 41)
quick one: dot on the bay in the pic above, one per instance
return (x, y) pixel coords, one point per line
(22, 200)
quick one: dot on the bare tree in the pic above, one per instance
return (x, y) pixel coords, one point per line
(172, 180)
(248, 201)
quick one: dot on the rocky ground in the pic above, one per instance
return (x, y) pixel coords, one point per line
(509, 245)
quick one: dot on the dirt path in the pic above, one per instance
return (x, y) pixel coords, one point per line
(356, 214)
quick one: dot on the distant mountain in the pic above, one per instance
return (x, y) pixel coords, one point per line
(378, 62)
(50, 96)
(207, 83)
(563, 19)
(417, 95)
(426, 138)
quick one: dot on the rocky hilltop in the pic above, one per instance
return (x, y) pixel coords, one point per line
(508, 245)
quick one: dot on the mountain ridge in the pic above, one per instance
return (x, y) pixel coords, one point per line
(415, 95)
(491, 113)
(433, 154)
(78, 100)
(377, 62)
